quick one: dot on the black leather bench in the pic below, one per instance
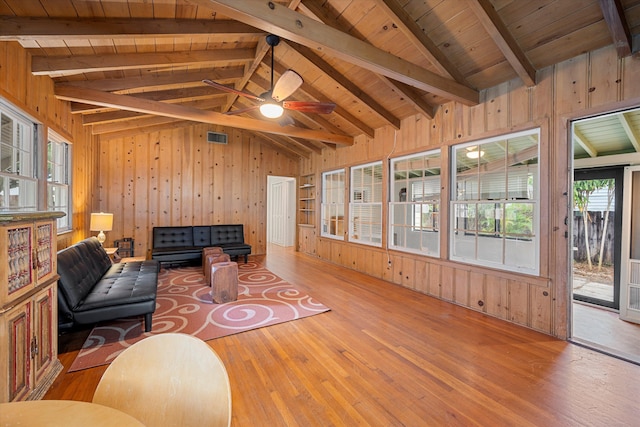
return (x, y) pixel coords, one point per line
(91, 289)
(184, 244)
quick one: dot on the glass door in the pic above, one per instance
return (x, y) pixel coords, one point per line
(597, 225)
(630, 289)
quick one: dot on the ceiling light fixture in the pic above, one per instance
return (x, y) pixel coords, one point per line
(271, 110)
(475, 154)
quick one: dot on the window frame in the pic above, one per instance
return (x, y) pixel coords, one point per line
(406, 212)
(20, 145)
(332, 204)
(370, 195)
(498, 205)
(62, 162)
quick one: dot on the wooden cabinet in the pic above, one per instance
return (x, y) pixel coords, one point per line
(28, 305)
(307, 201)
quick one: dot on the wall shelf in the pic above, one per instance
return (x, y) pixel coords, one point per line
(307, 200)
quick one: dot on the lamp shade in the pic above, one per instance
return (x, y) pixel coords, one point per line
(101, 222)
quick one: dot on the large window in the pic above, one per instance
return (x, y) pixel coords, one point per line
(494, 208)
(18, 181)
(59, 179)
(365, 204)
(333, 192)
(414, 206)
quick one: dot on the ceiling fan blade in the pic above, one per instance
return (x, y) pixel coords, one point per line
(288, 83)
(232, 90)
(242, 110)
(310, 107)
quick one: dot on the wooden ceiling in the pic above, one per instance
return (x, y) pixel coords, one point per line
(137, 65)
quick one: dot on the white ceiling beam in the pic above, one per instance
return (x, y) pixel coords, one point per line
(628, 129)
(583, 142)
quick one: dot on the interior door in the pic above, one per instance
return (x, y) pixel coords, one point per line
(278, 213)
(630, 284)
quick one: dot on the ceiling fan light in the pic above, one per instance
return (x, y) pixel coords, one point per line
(272, 111)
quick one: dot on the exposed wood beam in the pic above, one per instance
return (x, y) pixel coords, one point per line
(277, 142)
(613, 12)
(343, 81)
(175, 95)
(261, 51)
(140, 130)
(272, 17)
(126, 102)
(75, 64)
(311, 145)
(121, 115)
(38, 28)
(413, 97)
(419, 39)
(97, 129)
(319, 12)
(583, 142)
(319, 96)
(492, 23)
(81, 108)
(111, 116)
(630, 131)
(160, 80)
(309, 120)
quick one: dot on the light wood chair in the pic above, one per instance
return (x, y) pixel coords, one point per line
(168, 380)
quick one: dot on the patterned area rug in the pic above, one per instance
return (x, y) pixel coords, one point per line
(184, 305)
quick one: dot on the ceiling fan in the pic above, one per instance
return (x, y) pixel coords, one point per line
(273, 102)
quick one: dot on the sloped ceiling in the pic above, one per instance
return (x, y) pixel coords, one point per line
(137, 66)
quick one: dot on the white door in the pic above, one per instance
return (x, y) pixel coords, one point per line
(630, 269)
(278, 213)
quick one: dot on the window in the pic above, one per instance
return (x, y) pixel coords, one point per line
(365, 207)
(495, 208)
(59, 178)
(18, 181)
(333, 188)
(415, 204)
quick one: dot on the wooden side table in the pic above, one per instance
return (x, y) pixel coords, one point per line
(113, 254)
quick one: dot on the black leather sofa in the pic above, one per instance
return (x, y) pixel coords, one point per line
(184, 244)
(91, 289)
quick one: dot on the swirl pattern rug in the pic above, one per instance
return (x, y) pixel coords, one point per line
(184, 304)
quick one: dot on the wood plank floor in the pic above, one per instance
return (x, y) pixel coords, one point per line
(603, 330)
(387, 356)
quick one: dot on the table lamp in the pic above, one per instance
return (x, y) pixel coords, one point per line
(101, 222)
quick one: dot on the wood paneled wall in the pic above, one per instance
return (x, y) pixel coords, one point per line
(175, 177)
(34, 96)
(589, 84)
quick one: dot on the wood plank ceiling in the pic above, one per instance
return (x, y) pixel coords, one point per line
(137, 66)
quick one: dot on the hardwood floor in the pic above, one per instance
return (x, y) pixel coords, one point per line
(387, 356)
(603, 330)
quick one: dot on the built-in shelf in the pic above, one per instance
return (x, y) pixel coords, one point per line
(306, 201)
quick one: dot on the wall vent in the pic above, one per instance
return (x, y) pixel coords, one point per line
(216, 137)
